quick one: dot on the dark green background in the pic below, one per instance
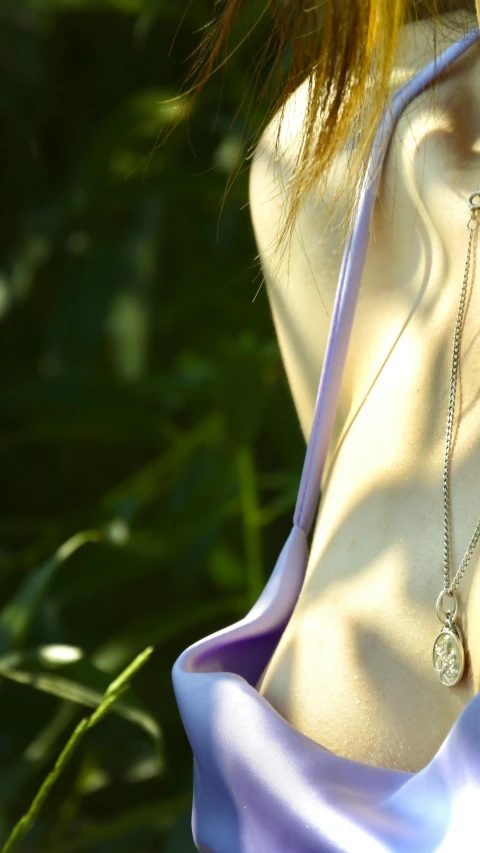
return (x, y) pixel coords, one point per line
(142, 396)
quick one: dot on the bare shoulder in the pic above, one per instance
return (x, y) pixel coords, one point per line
(300, 282)
(301, 285)
(273, 166)
(274, 159)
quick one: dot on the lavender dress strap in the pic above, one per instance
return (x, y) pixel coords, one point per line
(348, 286)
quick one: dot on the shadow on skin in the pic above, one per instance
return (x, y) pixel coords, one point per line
(370, 591)
(353, 668)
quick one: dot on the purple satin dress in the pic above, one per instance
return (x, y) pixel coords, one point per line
(260, 786)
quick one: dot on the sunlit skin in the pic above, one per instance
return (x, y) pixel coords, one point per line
(353, 669)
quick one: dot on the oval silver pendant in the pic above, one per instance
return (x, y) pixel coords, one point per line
(448, 656)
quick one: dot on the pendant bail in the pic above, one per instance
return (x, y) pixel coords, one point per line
(474, 205)
(447, 615)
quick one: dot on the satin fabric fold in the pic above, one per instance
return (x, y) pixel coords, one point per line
(260, 786)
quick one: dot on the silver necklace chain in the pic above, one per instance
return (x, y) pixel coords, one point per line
(450, 587)
(448, 651)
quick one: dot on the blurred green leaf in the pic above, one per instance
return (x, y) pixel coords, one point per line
(225, 568)
(180, 839)
(159, 474)
(242, 391)
(149, 630)
(65, 672)
(111, 695)
(17, 616)
(143, 396)
(159, 815)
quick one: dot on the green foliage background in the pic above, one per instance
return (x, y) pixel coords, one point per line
(149, 449)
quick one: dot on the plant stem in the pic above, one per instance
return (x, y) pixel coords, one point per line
(115, 690)
(28, 819)
(251, 521)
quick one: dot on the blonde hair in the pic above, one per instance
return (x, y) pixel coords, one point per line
(345, 52)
